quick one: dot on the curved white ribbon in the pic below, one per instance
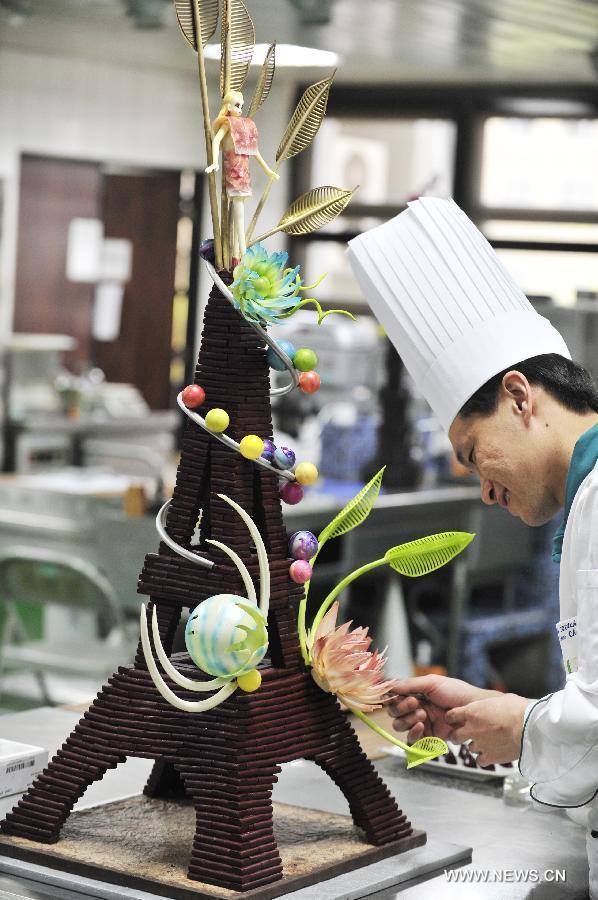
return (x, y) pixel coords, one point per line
(262, 556)
(181, 680)
(226, 686)
(185, 705)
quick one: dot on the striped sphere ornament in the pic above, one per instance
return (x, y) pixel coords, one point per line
(226, 635)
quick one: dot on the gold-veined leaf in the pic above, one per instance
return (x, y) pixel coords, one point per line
(237, 43)
(264, 82)
(208, 17)
(314, 209)
(306, 120)
(355, 512)
(428, 553)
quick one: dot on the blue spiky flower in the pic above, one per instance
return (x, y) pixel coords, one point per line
(266, 291)
(264, 288)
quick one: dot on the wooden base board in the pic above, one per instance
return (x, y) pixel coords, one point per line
(144, 843)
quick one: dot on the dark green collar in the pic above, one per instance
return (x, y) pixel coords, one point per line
(585, 455)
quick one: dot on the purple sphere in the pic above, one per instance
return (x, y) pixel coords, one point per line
(269, 450)
(291, 492)
(303, 545)
(284, 458)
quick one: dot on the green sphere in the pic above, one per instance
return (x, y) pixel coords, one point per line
(305, 359)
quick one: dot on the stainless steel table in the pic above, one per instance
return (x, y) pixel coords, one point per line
(503, 838)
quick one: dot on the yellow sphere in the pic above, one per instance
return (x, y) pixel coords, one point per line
(250, 681)
(306, 473)
(251, 446)
(217, 420)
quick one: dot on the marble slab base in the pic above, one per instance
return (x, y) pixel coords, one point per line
(141, 845)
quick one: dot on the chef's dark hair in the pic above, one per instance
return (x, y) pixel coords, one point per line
(563, 379)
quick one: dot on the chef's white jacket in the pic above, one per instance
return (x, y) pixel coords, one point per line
(559, 747)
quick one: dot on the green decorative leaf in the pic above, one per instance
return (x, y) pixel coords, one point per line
(428, 553)
(355, 512)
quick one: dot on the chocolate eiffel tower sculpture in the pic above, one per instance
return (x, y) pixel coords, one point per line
(226, 759)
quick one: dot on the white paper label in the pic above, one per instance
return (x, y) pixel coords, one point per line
(567, 634)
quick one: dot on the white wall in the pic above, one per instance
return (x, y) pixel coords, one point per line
(58, 105)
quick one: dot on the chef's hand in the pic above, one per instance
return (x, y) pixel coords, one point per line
(494, 727)
(422, 710)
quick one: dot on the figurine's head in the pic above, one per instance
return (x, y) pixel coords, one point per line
(233, 103)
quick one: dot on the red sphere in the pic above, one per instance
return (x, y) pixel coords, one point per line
(193, 396)
(291, 492)
(309, 382)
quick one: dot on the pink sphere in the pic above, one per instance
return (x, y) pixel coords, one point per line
(291, 492)
(300, 571)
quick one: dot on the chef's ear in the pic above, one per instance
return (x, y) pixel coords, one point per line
(519, 392)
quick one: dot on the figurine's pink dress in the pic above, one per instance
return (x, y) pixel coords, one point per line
(244, 135)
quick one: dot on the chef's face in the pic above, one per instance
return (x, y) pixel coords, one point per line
(509, 450)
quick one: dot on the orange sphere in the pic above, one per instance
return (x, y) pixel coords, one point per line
(309, 382)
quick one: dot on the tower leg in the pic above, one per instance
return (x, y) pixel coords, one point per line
(234, 844)
(370, 802)
(85, 757)
(164, 782)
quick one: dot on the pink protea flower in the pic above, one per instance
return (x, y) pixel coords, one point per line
(342, 664)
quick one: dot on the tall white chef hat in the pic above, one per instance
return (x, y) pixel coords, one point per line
(448, 304)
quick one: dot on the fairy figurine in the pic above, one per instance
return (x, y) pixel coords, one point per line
(239, 138)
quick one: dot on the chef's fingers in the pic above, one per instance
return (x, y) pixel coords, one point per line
(460, 735)
(404, 723)
(417, 732)
(403, 707)
(456, 716)
(421, 684)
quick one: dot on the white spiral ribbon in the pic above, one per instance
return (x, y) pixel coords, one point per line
(229, 442)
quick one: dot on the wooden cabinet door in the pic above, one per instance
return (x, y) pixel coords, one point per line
(141, 205)
(143, 208)
(52, 192)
